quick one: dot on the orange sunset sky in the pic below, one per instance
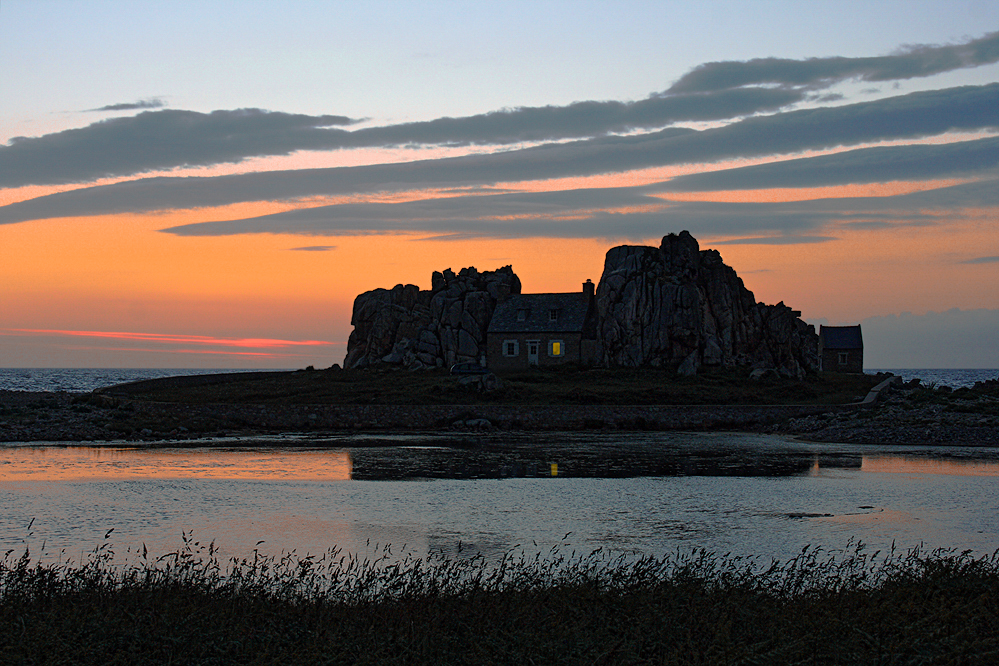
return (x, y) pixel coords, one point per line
(201, 187)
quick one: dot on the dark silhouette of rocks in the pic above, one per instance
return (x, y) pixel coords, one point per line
(428, 329)
(682, 306)
(675, 305)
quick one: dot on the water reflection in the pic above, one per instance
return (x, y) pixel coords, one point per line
(605, 461)
(646, 493)
(902, 464)
(32, 463)
(409, 458)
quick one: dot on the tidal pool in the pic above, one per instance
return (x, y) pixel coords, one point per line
(625, 493)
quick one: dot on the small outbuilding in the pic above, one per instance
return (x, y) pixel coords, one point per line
(543, 330)
(841, 349)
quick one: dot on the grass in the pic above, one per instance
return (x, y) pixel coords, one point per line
(851, 606)
(548, 386)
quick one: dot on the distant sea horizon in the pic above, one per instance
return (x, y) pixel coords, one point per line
(81, 380)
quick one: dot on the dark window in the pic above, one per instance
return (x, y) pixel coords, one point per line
(511, 348)
(844, 358)
(521, 315)
(553, 315)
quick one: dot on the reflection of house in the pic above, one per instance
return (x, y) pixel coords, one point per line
(841, 349)
(543, 329)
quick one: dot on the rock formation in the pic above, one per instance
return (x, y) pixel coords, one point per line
(681, 306)
(427, 329)
(674, 305)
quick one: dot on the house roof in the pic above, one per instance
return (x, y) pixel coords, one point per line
(841, 337)
(529, 313)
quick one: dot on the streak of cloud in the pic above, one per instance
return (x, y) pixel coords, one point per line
(155, 140)
(777, 240)
(864, 165)
(142, 104)
(611, 213)
(719, 91)
(917, 115)
(314, 248)
(911, 62)
(982, 260)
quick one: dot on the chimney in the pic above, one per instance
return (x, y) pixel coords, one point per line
(588, 288)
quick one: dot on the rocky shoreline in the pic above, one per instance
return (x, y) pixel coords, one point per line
(900, 419)
(905, 414)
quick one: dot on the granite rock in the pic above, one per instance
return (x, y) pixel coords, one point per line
(680, 306)
(415, 328)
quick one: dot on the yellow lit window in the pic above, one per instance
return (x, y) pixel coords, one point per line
(555, 348)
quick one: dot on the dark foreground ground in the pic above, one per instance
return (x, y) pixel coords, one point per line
(820, 407)
(846, 608)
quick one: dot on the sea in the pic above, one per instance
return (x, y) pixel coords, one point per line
(81, 380)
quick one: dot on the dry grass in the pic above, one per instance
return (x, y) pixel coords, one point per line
(697, 608)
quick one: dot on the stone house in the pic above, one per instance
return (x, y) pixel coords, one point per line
(543, 330)
(841, 349)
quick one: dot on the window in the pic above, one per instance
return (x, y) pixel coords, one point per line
(511, 348)
(844, 358)
(553, 314)
(556, 348)
(522, 314)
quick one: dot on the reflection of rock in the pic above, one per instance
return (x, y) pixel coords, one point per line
(680, 306)
(426, 329)
(495, 458)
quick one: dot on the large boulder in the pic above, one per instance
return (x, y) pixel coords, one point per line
(416, 328)
(680, 306)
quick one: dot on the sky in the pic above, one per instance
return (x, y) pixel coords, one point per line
(210, 184)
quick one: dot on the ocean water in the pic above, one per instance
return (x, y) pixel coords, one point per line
(954, 378)
(81, 380)
(88, 379)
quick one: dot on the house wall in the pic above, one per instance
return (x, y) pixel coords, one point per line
(497, 361)
(854, 360)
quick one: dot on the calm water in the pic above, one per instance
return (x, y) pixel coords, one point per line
(86, 379)
(641, 493)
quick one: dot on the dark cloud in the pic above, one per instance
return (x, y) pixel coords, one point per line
(595, 213)
(580, 119)
(911, 62)
(982, 260)
(314, 248)
(157, 140)
(151, 103)
(168, 139)
(160, 140)
(922, 114)
(777, 240)
(865, 165)
(520, 214)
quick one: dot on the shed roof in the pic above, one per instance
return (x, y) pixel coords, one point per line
(841, 337)
(571, 308)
